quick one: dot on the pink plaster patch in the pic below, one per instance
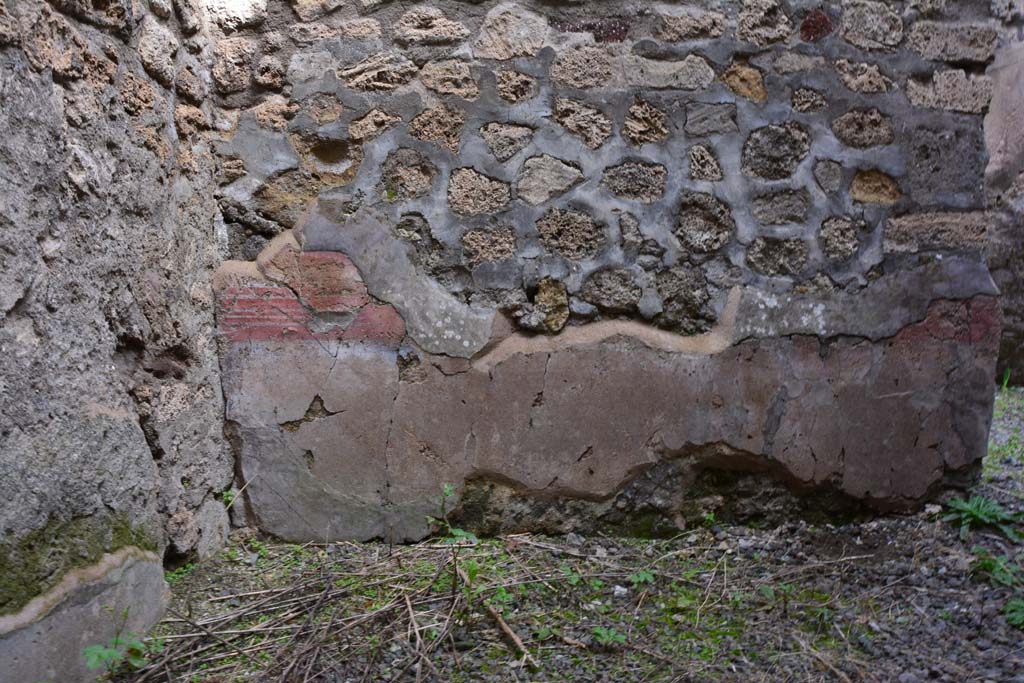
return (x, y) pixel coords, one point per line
(376, 322)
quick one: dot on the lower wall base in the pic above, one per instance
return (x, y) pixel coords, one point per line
(357, 439)
(46, 639)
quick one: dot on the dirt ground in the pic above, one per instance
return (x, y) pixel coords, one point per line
(899, 598)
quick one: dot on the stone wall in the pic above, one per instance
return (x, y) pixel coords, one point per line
(567, 257)
(573, 258)
(1005, 186)
(112, 453)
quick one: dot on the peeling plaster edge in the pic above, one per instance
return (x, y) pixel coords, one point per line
(718, 339)
(42, 605)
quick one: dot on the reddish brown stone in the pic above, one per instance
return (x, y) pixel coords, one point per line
(815, 26)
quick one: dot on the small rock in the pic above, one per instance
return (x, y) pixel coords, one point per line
(583, 121)
(871, 25)
(704, 164)
(157, 48)
(808, 100)
(746, 81)
(583, 67)
(428, 26)
(953, 42)
(839, 237)
(874, 187)
(450, 77)
(515, 87)
(862, 77)
(690, 23)
(774, 152)
(573, 234)
(778, 208)
(613, 290)
(704, 223)
(505, 140)
(762, 22)
(544, 177)
(828, 174)
(864, 128)
(637, 180)
(441, 125)
(710, 119)
(510, 31)
(772, 256)
(645, 123)
(383, 71)
(471, 193)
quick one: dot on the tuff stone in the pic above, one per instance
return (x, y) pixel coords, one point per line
(370, 125)
(583, 67)
(808, 100)
(270, 72)
(840, 237)
(690, 23)
(930, 176)
(762, 22)
(488, 245)
(871, 25)
(441, 125)
(614, 290)
(637, 180)
(505, 140)
(704, 164)
(816, 25)
(828, 174)
(549, 310)
(746, 81)
(428, 26)
(874, 187)
(704, 223)
(380, 72)
(157, 48)
(451, 77)
(778, 208)
(863, 128)
(583, 121)
(774, 152)
(515, 87)
(406, 174)
(310, 10)
(544, 177)
(777, 257)
(953, 89)
(232, 68)
(572, 234)
(953, 42)
(471, 193)
(703, 118)
(690, 73)
(236, 14)
(645, 123)
(862, 77)
(684, 298)
(791, 62)
(510, 31)
(937, 230)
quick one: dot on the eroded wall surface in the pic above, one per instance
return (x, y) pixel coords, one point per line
(567, 257)
(112, 453)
